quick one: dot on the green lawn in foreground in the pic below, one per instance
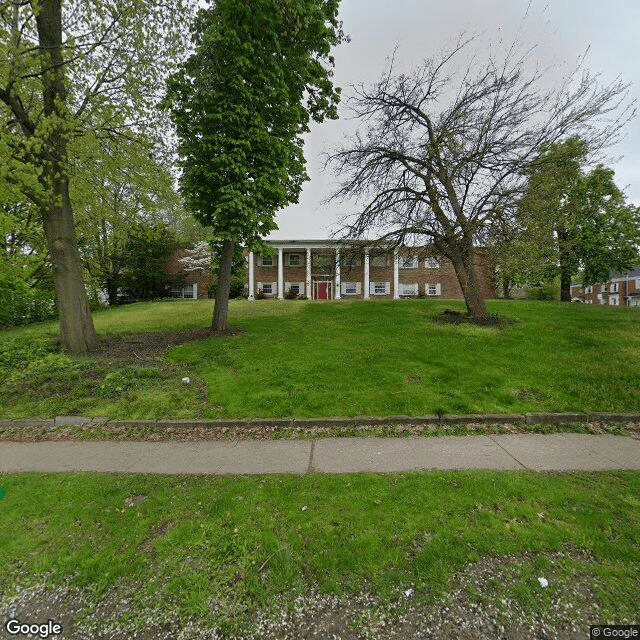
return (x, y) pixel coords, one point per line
(297, 358)
(243, 541)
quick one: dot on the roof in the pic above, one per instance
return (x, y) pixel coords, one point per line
(634, 272)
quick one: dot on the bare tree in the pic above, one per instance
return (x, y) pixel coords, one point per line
(445, 147)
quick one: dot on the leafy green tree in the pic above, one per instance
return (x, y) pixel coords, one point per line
(445, 146)
(142, 257)
(82, 69)
(240, 103)
(573, 220)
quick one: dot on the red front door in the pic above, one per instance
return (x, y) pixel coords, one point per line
(322, 291)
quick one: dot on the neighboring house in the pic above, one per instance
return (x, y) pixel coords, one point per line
(332, 270)
(621, 290)
(196, 284)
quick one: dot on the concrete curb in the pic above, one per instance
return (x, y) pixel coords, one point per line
(487, 419)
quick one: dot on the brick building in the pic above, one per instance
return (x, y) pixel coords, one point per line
(621, 290)
(195, 284)
(328, 270)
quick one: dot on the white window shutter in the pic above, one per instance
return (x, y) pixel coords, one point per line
(438, 289)
(274, 287)
(287, 286)
(259, 286)
(387, 287)
(358, 288)
(195, 290)
(343, 288)
(372, 287)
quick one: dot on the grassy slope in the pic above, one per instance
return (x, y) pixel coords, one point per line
(353, 358)
(246, 540)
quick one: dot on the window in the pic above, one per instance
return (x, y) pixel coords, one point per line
(614, 287)
(350, 288)
(294, 287)
(588, 289)
(614, 301)
(603, 288)
(322, 259)
(185, 291)
(380, 261)
(267, 288)
(431, 263)
(433, 289)
(407, 262)
(408, 289)
(379, 289)
(295, 259)
(350, 262)
(267, 261)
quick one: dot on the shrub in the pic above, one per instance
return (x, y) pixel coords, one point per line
(261, 295)
(118, 381)
(290, 295)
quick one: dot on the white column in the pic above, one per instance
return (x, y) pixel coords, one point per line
(309, 273)
(337, 296)
(251, 275)
(396, 275)
(280, 275)
(366, 274)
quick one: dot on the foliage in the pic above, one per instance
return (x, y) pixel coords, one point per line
(446, 146)
(290, 295)
(569, 220)
(241, 103)
(116, 382)
(346, 362)
(142, 257)
(247, 542)
(75, 75)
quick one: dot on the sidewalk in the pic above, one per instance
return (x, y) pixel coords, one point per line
(554, 452)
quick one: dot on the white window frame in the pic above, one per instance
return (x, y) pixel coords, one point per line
(588, 289)
(614, 287)
(614, 300)
(436, 291)
(380, 262)
(603, 288)
(379, 288)
(431, 263)
(297, 256)
(270, 258)
(351, 262)
(268, 292)
(327, 260)
(407, 262)
(179, 292)
(408, 289)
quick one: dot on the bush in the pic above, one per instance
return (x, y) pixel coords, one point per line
(21, 304)
(118, 381)
(290, 295)
(261, 295)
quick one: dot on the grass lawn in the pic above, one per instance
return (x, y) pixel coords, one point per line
(219, 549)
(302, 359)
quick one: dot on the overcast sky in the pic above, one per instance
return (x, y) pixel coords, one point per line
(421, 28)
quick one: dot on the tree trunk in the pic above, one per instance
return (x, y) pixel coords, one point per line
(221, 305)
(506, 289)
(76, 326)
(77, 333)
(565, 266)
(463, 263)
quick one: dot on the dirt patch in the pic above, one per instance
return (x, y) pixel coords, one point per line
(452, 316)
(480, 605)
(150, 347)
